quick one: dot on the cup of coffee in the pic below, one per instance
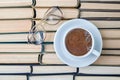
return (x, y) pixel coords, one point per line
(78, 41)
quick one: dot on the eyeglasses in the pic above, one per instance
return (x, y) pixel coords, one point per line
(37, 33)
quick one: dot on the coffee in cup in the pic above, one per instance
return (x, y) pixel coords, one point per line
(78, 42)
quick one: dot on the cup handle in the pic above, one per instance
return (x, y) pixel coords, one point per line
(96, 53)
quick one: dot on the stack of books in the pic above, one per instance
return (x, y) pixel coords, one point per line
(17, 18)
(19, 60)
(105, 14)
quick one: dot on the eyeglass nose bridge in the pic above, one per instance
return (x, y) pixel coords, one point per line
(36, 36)
(39, 37)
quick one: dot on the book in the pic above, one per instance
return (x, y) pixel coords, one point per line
(89, 14)
(111, 43)
(100, 6)
(112, 52)
(12, 26)
(97, 78)
(108, 60)
(39, 3)
(14, 37)
(68, 13)
(102, 24)
(52, 77)
(28, 13)
(106, 24)
(22, 37)
(60, 3)
(15, 3)
(100, 70)
(107, 44)
(18, 58)
(50, 48)
(52, 27)
(20, 48)
(99, 24)
(106, 33)
(5, 69)
(51, 58)
(16, 13)
(13, 77)
(101, 0)
(53, 69)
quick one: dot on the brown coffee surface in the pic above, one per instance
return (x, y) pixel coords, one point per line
(78, 42)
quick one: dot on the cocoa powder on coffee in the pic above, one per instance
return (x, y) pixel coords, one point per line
(78, 42)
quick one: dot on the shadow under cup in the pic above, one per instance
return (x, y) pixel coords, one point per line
(78, 42)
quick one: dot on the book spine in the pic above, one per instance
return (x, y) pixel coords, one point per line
(68, 13)
(104, 60)
(18, 58)
(13, 77)
(13, 69)
(107, 44)
(15, 3)
(51, 59)
(19, 47)
(22, 37)
(109, 47)
(99, 6)
(111, 44)
(102, 15)
(108, 60)
(52, 77)
(60, 3)
(29, 13)
(100, 70)
(16, 13)
(11, 26)
(101, 24)
(97, 77)
(111, 52)
(40, 3)
(103, 1)
(53, 70)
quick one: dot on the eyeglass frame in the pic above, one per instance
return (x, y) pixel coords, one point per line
(46, 15)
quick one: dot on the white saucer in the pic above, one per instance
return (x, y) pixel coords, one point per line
(60, 51)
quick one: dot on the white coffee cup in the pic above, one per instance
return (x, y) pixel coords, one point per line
(70, 59)
(91, 51)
